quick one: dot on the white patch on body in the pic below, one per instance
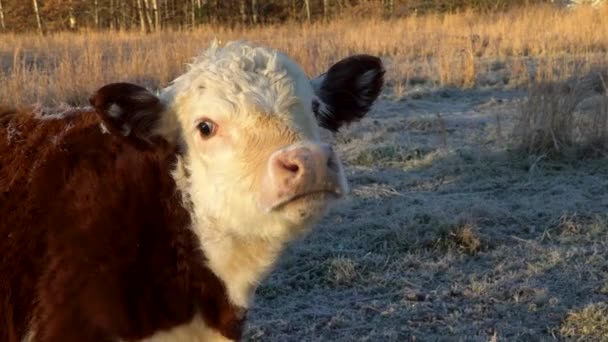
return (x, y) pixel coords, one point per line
(194, 331)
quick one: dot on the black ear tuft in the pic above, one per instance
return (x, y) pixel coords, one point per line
(347, 90)
(127, 109)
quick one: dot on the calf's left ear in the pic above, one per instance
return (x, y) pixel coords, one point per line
(127, 109)
(347, 90)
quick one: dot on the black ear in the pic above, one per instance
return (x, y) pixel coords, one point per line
(347, 90)
(127, 109)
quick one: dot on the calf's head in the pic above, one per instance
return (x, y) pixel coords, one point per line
(249, 122)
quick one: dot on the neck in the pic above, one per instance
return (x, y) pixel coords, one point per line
(241, 262)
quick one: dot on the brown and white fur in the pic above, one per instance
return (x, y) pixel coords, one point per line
(155, 217)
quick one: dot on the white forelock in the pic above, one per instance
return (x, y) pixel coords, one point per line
(241, 77)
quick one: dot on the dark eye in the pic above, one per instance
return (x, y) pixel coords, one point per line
(207, 128)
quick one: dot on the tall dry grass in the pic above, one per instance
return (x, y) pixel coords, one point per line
(453, 49)
(560, 118)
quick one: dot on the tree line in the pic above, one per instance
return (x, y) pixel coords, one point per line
(153, 15)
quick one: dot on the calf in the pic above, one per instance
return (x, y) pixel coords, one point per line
(154, 217)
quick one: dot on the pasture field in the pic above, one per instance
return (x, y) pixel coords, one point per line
(478, 209)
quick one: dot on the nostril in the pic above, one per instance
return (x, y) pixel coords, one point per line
(291, 167)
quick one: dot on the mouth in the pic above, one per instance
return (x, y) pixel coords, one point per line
(318, 195)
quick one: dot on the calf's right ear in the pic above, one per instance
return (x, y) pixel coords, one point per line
(127, 109)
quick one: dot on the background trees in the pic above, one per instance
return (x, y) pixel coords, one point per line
(152, 15)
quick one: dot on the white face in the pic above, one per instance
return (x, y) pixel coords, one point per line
(255, 160)
(233, 119)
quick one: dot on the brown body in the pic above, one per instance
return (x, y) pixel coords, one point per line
(95, 243)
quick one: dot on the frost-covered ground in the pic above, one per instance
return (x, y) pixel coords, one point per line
(447, 235)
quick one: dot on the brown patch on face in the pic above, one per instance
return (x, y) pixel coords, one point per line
(96, 243)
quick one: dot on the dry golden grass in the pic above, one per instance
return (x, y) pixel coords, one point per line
(462, 237)
(551, 122)
(453, 49)
(587, 324)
